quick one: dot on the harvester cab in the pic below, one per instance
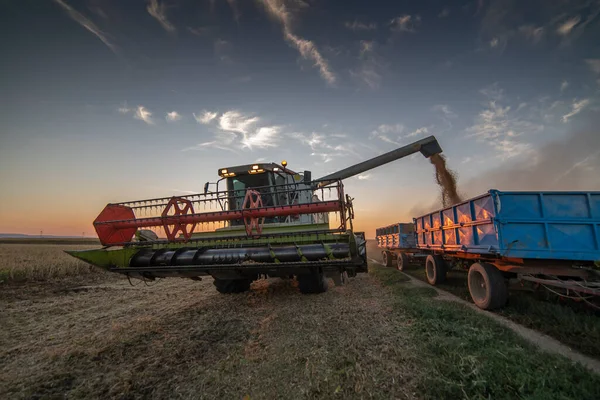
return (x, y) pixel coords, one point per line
(259, 220)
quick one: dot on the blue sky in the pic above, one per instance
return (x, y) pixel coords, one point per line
(107, 100)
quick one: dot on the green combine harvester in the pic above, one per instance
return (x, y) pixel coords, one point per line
(257, 220)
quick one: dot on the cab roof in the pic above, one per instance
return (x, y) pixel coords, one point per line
(256, 168)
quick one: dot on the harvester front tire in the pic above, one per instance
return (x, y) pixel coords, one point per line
(487, 286)
(435, 269)
(312, 283)
(388, 258)
(402, 262)
(227, 286)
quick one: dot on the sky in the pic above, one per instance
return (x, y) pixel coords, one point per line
(106, 101)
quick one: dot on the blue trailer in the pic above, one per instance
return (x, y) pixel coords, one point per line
(551, 238)
(398, 242)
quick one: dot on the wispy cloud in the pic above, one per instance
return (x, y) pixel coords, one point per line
(235, 131)
(405, 23)
(594, 65)
(124, 109)
(173, 116)
(567, 26)
(388, 133)
(576, 107)
(444, 13)
(501, 127)
(158, 11)
(234, 9)
(205, 117)
(445, 113)
(88, 24)
(418, 132)
(326, 147)
(360, 26)
(235, 121)
(564, 85)
(370, 65)
(532, 32)
(307, 49)
(143, 114)
(494, 42)
(364, 177)
(263, 137)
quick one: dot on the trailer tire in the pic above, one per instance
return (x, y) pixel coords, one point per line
(402, 262)
(435, 269)
(313, 283)
(227, 286)
(388, 258)
(487, 286)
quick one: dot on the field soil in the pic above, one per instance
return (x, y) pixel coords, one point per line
(380, 336)
(182, 338)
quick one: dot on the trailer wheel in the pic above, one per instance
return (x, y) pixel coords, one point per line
(487, 286)
(227, 286)
(402, 262)
(314, 282)
(435, 269)
(388, 258)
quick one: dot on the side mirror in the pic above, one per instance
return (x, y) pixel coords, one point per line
(206, 187)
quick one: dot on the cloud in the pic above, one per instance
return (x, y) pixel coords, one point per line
(531, 32)
(263, 137)
(494, 42)
(307, 49)
(594, 65)
(206, 117)
(173, 116)
(364, 177)
(234, 121)
(405, 23)
(419, 131)
(158, 11)
(368, 75)
(445, 109)
(366, 46)
(567, 164)
(384, 131)
(360, 26)
(564, 85)
(444, 13)
(124, 109)
(143, 114)
(327, 147)
(199, 31)
(576, 108)
(87, 24)
(502, 128)
(235, 9)
(567, 26)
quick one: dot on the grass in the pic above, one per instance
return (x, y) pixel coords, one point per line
(40, 261)
(466, 355)
(574, 324)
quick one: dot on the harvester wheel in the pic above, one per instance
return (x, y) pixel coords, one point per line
(232, 285)
(313, 283)
(435, 269)
(487, 286)
(402, 262)
(388, 258)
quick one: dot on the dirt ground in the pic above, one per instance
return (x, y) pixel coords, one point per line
(182, 339)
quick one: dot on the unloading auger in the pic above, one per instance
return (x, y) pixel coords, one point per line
(258, 220)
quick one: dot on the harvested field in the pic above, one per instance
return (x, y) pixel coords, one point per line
(96, 336)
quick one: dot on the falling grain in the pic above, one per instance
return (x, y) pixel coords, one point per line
(446, 179)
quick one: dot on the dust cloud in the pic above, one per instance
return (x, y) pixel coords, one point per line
(446, 180)
(572, 163)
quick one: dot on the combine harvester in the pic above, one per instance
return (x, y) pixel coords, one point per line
(260, 220)
(549, 238)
